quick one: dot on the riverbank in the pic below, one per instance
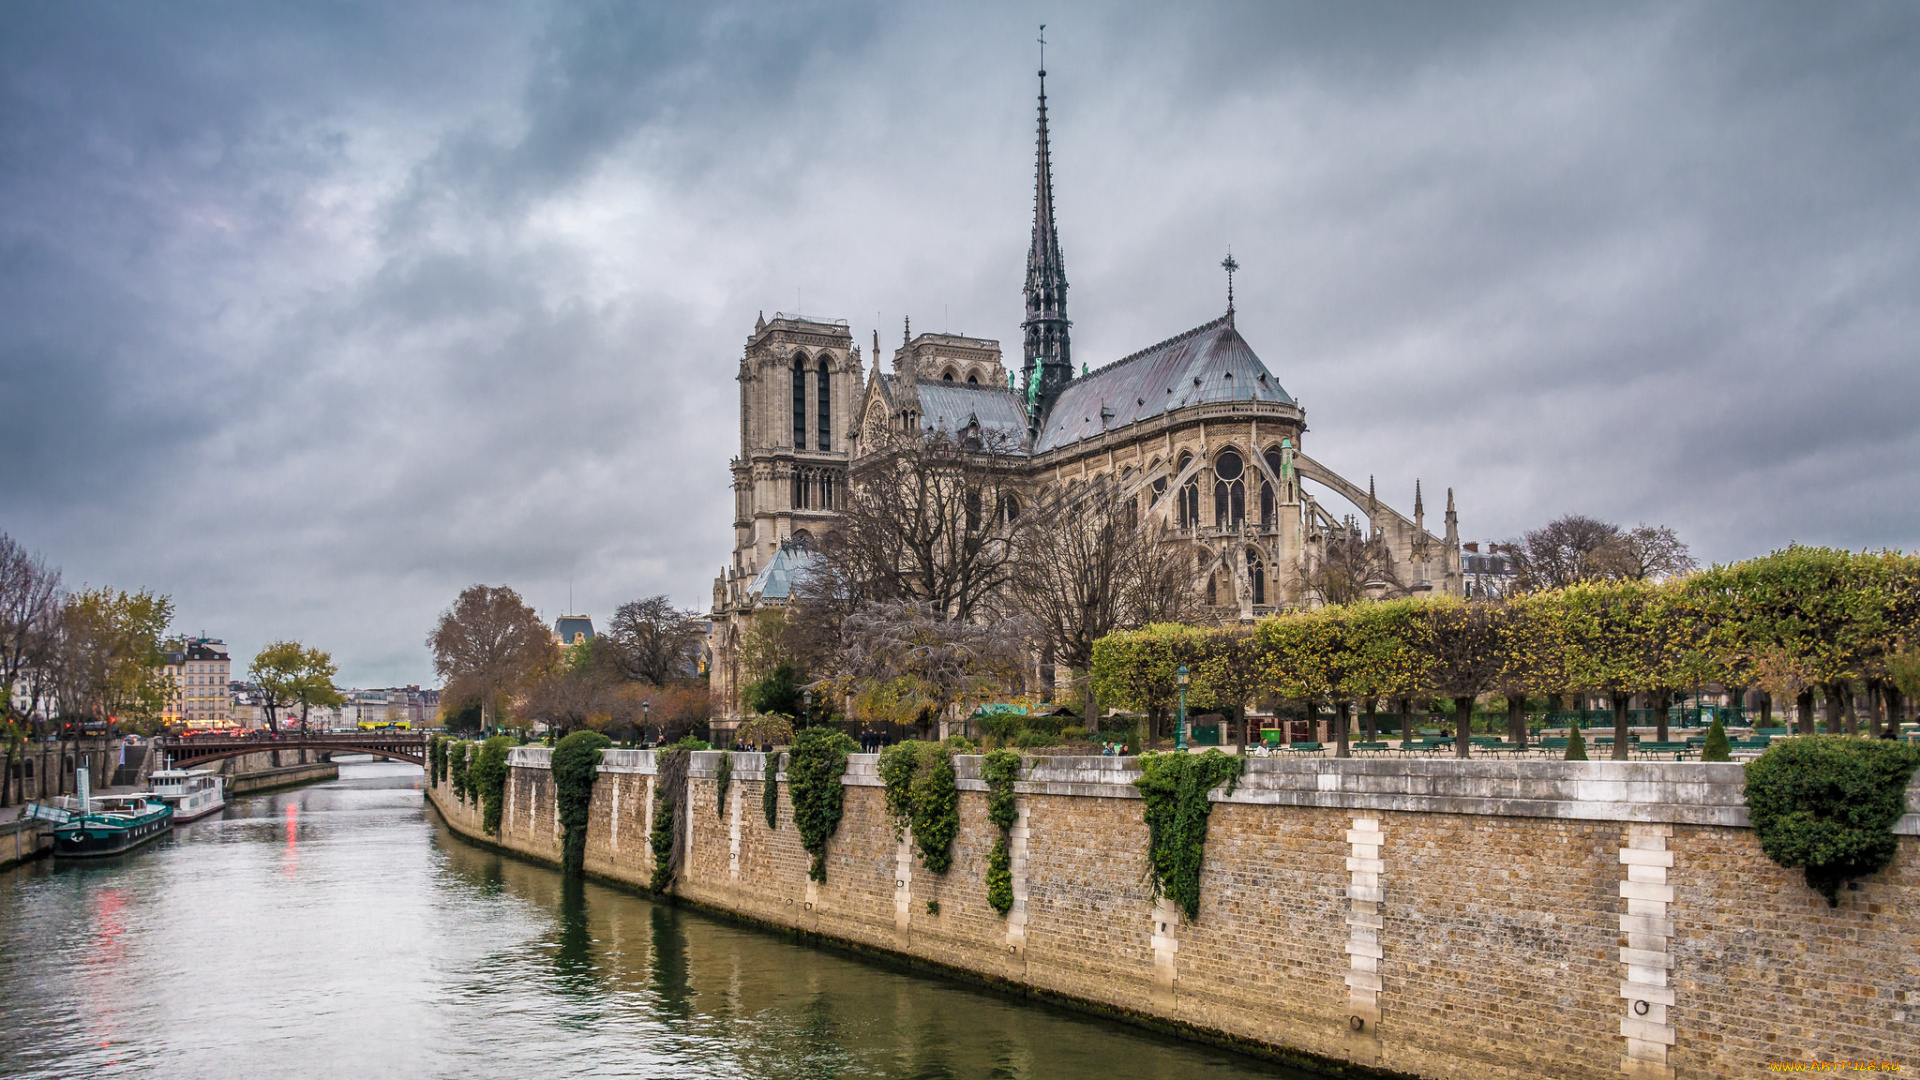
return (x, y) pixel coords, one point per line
(253, 783)
(1432, 917)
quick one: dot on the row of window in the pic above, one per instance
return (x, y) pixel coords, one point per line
(824, 404)
(1230, 478)
(817, 489)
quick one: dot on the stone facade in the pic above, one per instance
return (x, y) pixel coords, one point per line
(1463, 919)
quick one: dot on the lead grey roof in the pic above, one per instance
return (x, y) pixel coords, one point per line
(1205, 365)
(775, 580)
(951, 407)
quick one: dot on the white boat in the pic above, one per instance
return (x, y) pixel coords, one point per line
(193, 793)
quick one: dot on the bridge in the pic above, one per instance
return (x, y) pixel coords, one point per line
(409, 746)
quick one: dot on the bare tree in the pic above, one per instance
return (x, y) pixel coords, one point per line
(1648, 553)
(928, 520)
(913, 665)
(568, 700)
(30, 602)
(1088, 563)
(488, 645)
(1563, 552)
(1352, 567)
(654, 641)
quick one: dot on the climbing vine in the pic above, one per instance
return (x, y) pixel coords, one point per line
(669, 798)
(457, 768)
(1174, 787)
(488, 778)
(576, 762)
(436, 760)
(1828, 804)
(1000, 769)
(923, 792)
(770, 790)
(723, 778)
(814, 768)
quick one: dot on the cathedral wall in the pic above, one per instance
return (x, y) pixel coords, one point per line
(1435, 917)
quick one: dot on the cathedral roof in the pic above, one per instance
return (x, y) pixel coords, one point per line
(951, 407)
(1206, 365)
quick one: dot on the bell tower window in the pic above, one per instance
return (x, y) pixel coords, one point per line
(824, 422)
(800, 402)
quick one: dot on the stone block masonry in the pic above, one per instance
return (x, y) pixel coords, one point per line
(1429, 917)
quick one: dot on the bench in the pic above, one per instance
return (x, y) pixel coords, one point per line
(1651, 747)
(1369, 747)
(1303, 747)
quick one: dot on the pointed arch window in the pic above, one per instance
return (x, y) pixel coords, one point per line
(1189, 496)
(1229, 490)
(800, 402)
(1257, 576)
(824, 408)
(802, 489)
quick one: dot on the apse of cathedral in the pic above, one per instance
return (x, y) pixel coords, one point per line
(1198, 415)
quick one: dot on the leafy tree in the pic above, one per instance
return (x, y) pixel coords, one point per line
(1602, 626)
(1467, 639)
(1136, 669)
(1391, 644)
(288, 674)
(106, 658)
(777, 693)
(1229, 667)
(930, 665)
(489, 645)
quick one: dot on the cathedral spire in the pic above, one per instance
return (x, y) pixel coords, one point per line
(1049, 358)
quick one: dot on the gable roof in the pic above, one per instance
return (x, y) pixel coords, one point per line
(1208, 364)
(950, 407)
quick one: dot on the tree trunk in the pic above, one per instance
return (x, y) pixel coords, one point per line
(6, 779)
(1517, 720)
(1890, 696)
(1463, 726)
(1406, 719)
(1847, 711)
(1620, 721)
(1661, 700)
(1830, 704)
(1803, 706)
(1088, 719)
(1342, 714)
(1373, 723)
(1766, 709)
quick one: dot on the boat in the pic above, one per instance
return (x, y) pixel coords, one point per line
(104, 824)
(193, 793)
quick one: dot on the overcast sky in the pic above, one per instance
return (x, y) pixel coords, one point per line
(312, 315)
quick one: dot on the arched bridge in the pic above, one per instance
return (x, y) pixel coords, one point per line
(392, 745)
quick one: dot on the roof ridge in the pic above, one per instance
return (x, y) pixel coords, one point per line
(1154, 348)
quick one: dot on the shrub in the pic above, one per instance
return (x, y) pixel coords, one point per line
(457, 769)
(814, 768)
(771, 730)
(1828, 803)
(1174, 787)
(1576, 744)
(723, 779)
(488, 778)
(1717, 748)
(576, 762)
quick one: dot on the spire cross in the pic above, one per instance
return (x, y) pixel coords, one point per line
(1229, 266)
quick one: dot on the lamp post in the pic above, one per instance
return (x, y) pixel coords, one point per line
(646, 714)
(1180, 729)
(806, 700)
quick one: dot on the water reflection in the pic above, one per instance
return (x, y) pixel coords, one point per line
(353, 936)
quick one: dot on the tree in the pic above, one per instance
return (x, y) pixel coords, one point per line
(928, 520)
(314, 686)
(917, 663)
(488, 645)
(1564, 552)
(587, 698)
(280, 672)
(30, 603)
(1087, 563)
(1308, 657)
(105, 659)
(1602, 626)
(1230, 668)
(1467, 643)
(1352, 568)
(1647, 553)
(777, 693)
(1137, 668)
(1391, 643)
(654, 641)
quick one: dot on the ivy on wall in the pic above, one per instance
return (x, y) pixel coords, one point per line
(488, 778)
(923, 792)
(667, 840)
(723, 779)
(1827, 804)
(576, 762)
(1000, 768)
(770, 791)
(436, 760)
(814, 768)
(1174, 787)
(457, 769)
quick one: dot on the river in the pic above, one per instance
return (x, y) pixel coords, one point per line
(339, 930)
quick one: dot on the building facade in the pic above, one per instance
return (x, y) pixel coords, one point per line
(1196, 426)
(200, 672)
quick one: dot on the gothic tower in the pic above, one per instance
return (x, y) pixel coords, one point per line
(1049, 355)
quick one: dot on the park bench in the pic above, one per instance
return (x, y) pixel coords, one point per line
(1303, 747)
(1552, 743)
(1759, 731)
(1369, 747)
(1759, 743)
(1420, 746)
(1649, 746)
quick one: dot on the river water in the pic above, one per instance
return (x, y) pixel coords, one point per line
(340, 930)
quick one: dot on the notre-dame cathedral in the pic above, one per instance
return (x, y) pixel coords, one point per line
(1197, 414)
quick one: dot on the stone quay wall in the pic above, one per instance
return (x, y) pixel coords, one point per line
(1429, 917)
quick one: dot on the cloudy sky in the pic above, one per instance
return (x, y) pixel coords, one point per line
(313, 314)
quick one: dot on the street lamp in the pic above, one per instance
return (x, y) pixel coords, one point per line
(646, 715)
(806, 699)
(1180, 729)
